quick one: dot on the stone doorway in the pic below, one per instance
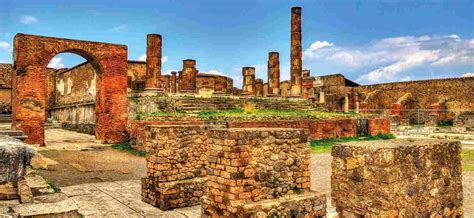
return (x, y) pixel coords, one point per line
(31, 56)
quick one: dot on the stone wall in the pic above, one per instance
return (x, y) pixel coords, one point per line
(176, 159)
(458, 91)
(260, 173)
(397, 178)
(76, 85)
(465, 119)
(320, 129)
(6, 71)
(76, 117)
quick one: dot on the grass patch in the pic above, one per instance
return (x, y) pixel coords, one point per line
(128, 148)
(325, 145)
(50, 184)
(468, 160)
(244, 114)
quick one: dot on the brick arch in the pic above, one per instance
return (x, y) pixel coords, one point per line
(32, 54)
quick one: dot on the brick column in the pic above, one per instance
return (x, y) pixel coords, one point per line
(273, 73)
(173, 82)
(346, 103)
(248, 85)
(153, 61)
(296, 53)
(187, 76)
(259, 87)
(261, 172)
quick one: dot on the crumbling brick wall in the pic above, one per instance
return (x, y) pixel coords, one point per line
(397, 178)
(176, 159)
(249, 168)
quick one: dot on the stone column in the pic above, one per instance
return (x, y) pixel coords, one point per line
(259, 87)
(273, 73)
(321, 97)
(306, 73)
(296, 53)
(248, 85)
(187, 77)
(346, 103)
(173, 82)
(167, 85)
(153, 61)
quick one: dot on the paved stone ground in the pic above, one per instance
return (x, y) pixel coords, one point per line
(60, 139)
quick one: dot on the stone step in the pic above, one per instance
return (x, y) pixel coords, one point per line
(18, 134)
(63, 208)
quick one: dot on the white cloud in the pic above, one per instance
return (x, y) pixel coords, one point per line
(216, 72)
(143, 58)
(56, 63)
(309, 52)
(389, 59)
(26, 19)
(468, 74)
(5, 46)
(119, 28)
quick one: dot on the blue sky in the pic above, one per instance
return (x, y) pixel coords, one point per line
(368, 41)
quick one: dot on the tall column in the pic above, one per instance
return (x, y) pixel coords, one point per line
(296, 53)
(248, 85)
(153, 61)
(173, 82)
(187, 77)
(273, 73)
(322, 98)
(258, 87)
(346, 103)
(306, 73)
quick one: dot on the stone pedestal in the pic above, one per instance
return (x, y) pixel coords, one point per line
(397, 178)
(273, 73)
(176, 166)
(260, 173)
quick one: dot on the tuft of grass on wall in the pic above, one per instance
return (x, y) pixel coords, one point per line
(128, 148)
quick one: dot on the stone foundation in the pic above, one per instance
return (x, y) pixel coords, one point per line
(176, 159)
(397, 178)
(260, 172)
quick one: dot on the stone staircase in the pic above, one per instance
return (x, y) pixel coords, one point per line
(18, 134)
(196, 104)
(5, 118)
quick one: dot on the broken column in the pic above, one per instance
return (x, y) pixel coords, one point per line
(248, 85)
(173, 82)
(176, 165)
(260, 173)
(153, 61)
(273, 73)
(259, 87)
(397, 178)
(306, 73)
(296, 53)
(346, 103)
(187, 76)
(356, 103)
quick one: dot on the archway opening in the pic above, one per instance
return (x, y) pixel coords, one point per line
(71, 89)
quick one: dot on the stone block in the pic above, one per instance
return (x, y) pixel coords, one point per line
(397, 178)
(262, 172)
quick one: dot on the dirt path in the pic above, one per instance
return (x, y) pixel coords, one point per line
(98, 165)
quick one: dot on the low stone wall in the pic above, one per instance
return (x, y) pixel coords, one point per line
(320, 129)
(136, 130)
(397, 178)
(465, 119)
(176, 159)
(260, 173)
(378, 125)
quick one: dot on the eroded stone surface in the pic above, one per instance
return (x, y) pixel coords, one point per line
(397, 178)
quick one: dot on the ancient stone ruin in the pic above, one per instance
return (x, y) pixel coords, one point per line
(397, 178)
